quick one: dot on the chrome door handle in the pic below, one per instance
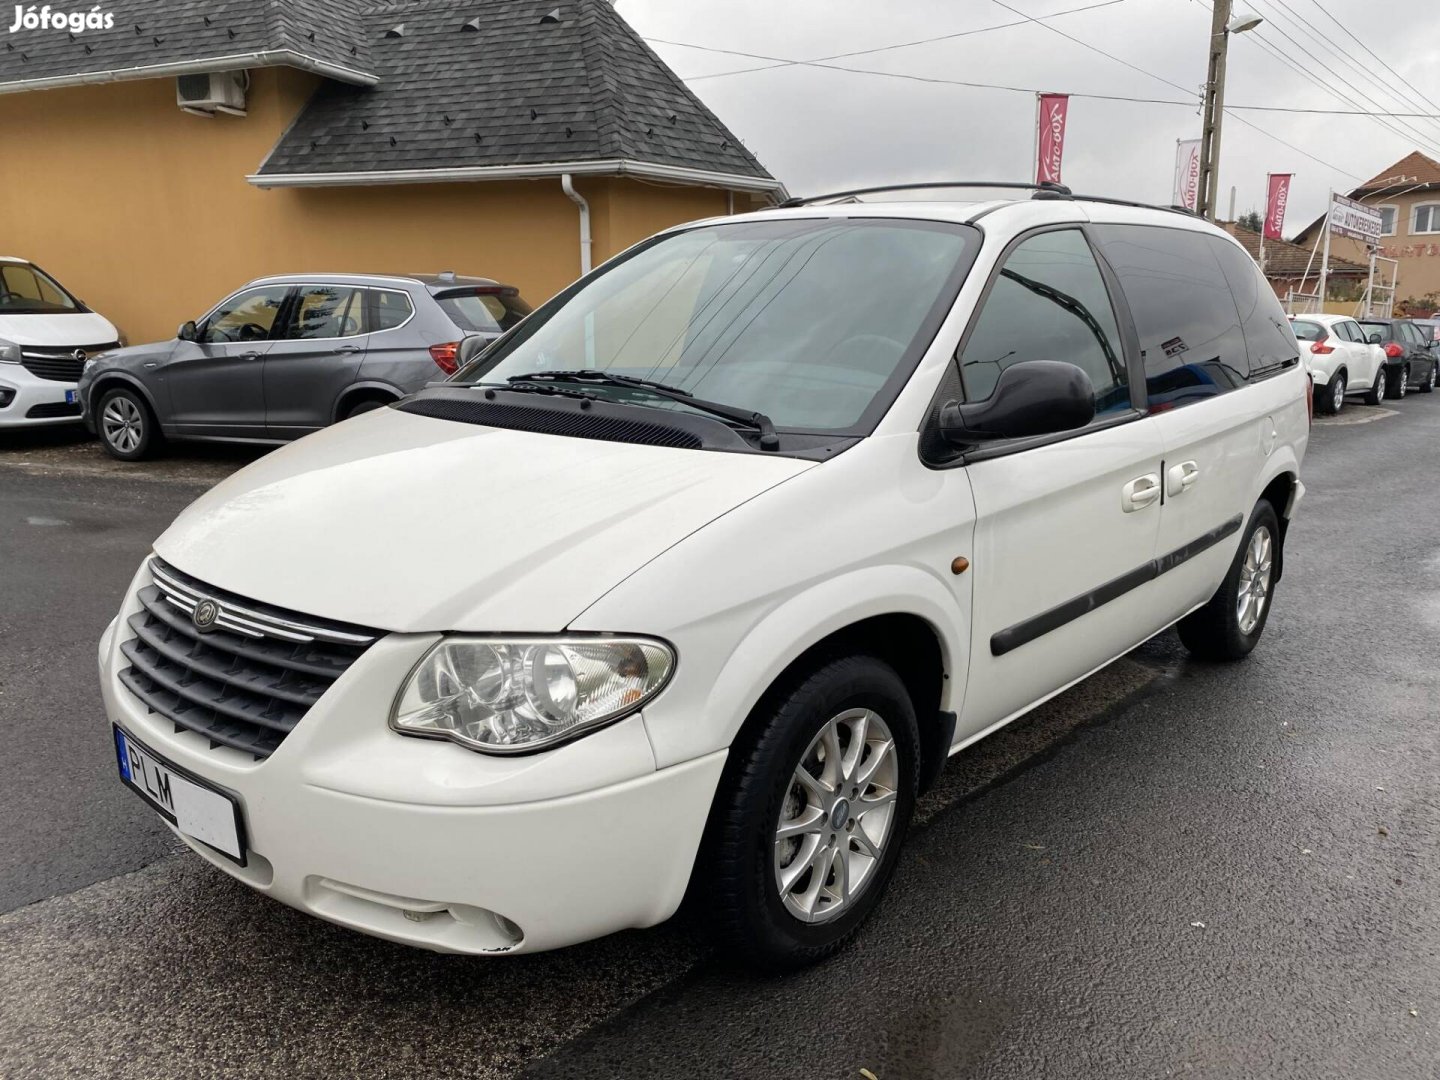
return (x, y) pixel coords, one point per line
(348, 348)
(1181, 478)
(249, 356)
(1140, 493)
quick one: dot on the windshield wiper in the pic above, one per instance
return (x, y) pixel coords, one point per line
(757, 421)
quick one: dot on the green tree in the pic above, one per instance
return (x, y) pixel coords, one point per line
(1251, 221)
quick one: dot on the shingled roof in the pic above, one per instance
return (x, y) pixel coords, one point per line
(486, 88)
(155, 38)
(1414, 170)
(1286, 260)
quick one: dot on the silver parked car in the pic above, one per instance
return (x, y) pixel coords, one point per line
(285, 356)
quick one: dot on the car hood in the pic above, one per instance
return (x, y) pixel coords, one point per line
(75, 329)
(408, 523)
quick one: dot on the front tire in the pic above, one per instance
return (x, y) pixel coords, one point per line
(1335, 394)
(811, 813)
(126, 426)
(1230, 625)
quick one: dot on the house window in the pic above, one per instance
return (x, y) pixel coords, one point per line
(1426, 219)
(1388, 215)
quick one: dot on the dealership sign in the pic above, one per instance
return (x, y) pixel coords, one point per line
(1355, 220)
(1187, 174)
(1277, 195)
(1050, 136)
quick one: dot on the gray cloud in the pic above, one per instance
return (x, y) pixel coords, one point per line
(821, 129)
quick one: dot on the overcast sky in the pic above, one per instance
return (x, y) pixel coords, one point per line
(819, 129)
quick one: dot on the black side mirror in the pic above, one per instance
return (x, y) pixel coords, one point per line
(471, 347)
(187, 331)
(1035, 397)
(1374, 338)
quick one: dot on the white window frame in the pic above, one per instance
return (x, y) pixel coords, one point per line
(1434, 208)
(1394, 218)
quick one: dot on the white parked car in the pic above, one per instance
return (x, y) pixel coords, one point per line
(761, 521)
(1342, 359)
(46, 335)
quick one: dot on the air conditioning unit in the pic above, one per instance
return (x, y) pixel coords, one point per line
(207, 94)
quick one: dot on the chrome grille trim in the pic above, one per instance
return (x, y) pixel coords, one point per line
(244, 680)
(245, 620)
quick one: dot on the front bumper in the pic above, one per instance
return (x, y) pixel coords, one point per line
(33, 401)
(425, 843)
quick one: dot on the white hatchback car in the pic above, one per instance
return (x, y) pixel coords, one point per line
(46, 336)
(701, 572)
(1342, 359)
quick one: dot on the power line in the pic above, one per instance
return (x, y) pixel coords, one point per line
(1188, 103)
(883, 48)
(1351, 34)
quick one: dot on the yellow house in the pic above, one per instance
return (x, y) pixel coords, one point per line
(1408, 197)
(170, 151)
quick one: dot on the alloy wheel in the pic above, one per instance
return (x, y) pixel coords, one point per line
(836, 817)
(1254, 591)
(1337, 393)
(123, 424)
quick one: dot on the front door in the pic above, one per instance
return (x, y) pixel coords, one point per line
(315, 357)
(1065, 526)
(215, 383)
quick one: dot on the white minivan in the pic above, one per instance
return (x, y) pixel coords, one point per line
(46, 336)
(694, 579)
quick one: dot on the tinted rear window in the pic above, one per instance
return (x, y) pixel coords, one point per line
(1308, 331)
(1185, 314)
(483, 312)
(1381, 328)
(1268, 340)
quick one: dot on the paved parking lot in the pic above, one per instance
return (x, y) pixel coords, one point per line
(1173, 869)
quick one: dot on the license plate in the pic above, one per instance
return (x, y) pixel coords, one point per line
(194, 807)
(70, 397)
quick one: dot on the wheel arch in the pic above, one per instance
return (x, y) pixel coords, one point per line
(355, 393)
(111, 379)
(1282, 492)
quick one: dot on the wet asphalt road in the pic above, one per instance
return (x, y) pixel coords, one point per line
(1173, 869)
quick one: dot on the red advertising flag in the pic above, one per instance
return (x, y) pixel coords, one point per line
(1275, 200)
(1050, 136)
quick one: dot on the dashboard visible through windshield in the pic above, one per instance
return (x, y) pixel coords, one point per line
(814, 323)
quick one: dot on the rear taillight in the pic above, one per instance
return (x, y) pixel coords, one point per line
(445, 356)
(1394, 351)
(1321, 348)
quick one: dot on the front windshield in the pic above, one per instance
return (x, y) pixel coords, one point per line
(814, 322)
(26, 290)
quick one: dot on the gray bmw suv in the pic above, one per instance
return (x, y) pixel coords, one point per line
(285, 356)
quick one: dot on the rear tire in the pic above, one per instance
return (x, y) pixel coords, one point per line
(1230, 625)
(1376, 393)
(1428, 386)
(1335, 394)
(367, 405)
(127, 428)
(1399, 383)
(793, 865)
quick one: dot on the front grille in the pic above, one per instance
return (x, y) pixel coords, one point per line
(59, 364)
(246, 680)
(51, 409)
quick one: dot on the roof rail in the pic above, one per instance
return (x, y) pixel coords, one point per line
(1043, 190)
(1055, 191)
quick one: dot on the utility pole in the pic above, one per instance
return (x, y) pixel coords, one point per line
(1213, 109)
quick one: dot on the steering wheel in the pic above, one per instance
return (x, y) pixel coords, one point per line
(250, 332)
(6, 295)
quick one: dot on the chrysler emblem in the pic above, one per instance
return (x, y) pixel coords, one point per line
(205, 614)
(80, 355)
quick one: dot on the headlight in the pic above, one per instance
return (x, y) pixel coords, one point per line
(9, 352)
(514, 695)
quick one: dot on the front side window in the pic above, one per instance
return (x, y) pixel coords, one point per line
(26, 290)
(1425, 218)
(1187, 318)
(248, 316)
(1048, 302)
(815, 322)
(327, 311)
